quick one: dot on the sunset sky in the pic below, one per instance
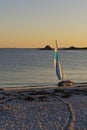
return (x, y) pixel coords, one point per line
(36, 23)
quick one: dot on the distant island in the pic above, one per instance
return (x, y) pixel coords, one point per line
(47, 47)
(74, 48)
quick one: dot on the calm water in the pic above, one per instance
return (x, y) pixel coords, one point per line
(31, 67)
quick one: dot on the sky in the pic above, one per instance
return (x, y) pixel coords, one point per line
(37, 23)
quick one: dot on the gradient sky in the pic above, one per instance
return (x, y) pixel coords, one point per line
(35, 23)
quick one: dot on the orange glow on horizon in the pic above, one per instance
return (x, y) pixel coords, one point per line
(34, 24)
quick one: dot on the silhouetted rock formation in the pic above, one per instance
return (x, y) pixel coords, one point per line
(75, 48)
(46, 48)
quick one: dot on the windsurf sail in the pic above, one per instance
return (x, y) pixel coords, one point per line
(57, 63)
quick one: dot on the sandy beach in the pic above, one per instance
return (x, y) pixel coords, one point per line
(44, 108)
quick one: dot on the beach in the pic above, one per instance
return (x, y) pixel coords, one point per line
(55, 108)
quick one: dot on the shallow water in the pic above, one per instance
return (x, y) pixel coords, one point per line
(32, 67)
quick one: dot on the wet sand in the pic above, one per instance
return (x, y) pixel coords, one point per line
(44, 109)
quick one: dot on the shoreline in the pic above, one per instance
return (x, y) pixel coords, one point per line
(75, 85)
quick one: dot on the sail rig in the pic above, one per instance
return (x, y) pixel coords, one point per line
(57, 63)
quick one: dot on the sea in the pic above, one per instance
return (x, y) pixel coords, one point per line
(34, 67)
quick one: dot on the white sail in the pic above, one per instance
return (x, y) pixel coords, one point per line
(57, 63)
